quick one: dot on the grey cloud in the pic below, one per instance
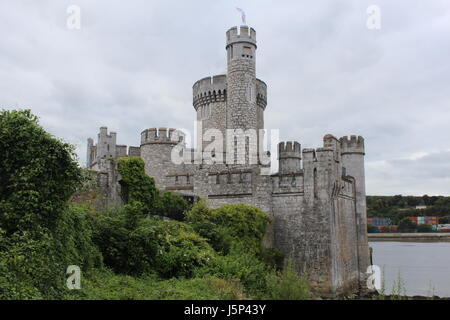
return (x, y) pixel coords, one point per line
(132, 66)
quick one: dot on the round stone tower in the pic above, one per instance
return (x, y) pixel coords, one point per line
(289, 156)
(156, 151)
(236, 100)
(241, 78)
(210, 103)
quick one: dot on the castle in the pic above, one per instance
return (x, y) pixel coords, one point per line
(317, 199)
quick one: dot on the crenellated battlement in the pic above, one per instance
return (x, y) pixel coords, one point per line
(289, 149)
(317, 155)
(230, 183)
(243, 34)
(353, 144)
(289, 156)
(209, 89)
(161, 136)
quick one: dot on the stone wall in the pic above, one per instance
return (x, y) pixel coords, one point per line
(316, 201)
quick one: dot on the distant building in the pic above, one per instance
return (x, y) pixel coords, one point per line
(379, 222)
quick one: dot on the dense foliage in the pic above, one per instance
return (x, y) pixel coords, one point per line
(398, 207)
(40, 234)
(171, 205)
(38, 173)
(239, 227)
(136, 185)
(128, 252)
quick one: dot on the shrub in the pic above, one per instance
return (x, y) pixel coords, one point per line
(239, 227)
(171, 205)
(111, 236)
(287, 284)
(201, 219)
(106, 285)
(143, 245)
(182, 250)
(38, 173)
(29, 267)
(170, 248)
(245, 267)
(272, 257)
(73, 239)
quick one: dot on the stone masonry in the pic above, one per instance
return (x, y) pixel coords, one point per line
(316, 200)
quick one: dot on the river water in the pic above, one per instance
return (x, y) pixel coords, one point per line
(422, 267)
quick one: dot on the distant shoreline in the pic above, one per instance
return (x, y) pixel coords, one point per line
(411, 237)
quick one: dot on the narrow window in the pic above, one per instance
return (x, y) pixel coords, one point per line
(315, 183)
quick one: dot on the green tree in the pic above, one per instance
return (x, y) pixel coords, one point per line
(40, 234)
(38, 173)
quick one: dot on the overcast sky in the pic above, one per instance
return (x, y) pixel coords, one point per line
(132, 64)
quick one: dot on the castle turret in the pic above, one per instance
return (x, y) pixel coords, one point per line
(289, 156)
(352, 154)
(210, 103)
(156, 151)
(241, 78)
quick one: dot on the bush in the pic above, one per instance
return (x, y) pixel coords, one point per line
(38, 173)
(111, 237)
(239, 227)
(106, 285)
(272, 258)
(245, 267)
(170, 248)
(29, 267)
(200, 218)
(287, 285)
(182, 250)
(171, 205)
(73, 239)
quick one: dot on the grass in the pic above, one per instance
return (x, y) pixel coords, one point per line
(105, 285)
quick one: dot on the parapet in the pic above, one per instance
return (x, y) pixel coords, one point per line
(261, 93)
(134, 151)
(209, 89)
(161, 136)
(289, 149)
(289, 155)
(245, 34)
(352, 145)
